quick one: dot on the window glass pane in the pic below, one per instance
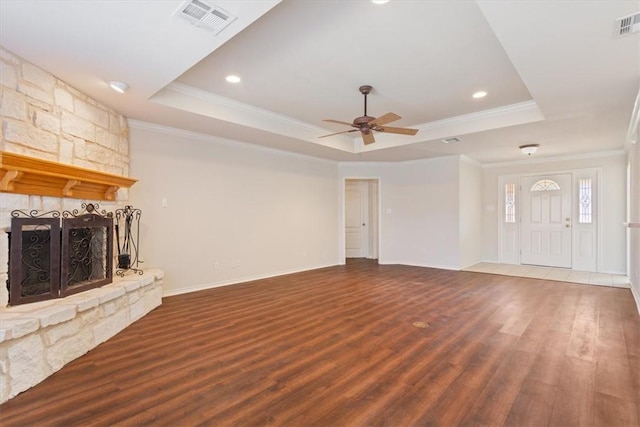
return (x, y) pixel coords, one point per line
(510, 203)
(545, 185)
(584, 201)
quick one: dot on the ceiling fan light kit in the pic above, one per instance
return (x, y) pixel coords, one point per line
(366, 124)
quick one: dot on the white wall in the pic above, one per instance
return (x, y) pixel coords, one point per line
(275, 213)
(229, 204)
(634, 216)
(470, 212)
(612, 244)
(420, 205)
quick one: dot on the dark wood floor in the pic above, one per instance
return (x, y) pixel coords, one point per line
(360, 345)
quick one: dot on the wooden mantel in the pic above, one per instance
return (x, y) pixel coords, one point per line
(30, 175)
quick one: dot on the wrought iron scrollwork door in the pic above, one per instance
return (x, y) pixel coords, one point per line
(34, 259)
(49, 261)
(87, 253)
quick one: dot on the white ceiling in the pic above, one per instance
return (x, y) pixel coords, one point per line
(554, 72)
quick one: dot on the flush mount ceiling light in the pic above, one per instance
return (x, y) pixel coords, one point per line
(379, 1)
(529, 149)
(233, 79)
(120, 87)
(451, 140)
(480, 94)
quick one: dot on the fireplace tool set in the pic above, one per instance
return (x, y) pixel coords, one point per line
(128, 224)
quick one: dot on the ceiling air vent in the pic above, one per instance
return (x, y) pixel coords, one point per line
(205, 15)
(627, 25)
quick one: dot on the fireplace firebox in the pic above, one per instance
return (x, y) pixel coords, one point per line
(53, 254)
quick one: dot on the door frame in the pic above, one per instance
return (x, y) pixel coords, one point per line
(594, 173)
(362, 228)
(374, 226)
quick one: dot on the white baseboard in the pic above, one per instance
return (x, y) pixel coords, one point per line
(204, 286)
(636, 296)
(412, 264)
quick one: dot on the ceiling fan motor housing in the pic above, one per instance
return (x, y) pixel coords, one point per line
(365, 89)
(363, 121)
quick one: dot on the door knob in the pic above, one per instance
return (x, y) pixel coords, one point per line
(363, 224)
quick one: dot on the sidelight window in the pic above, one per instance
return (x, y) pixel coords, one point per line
(585, 206)
(510, 203)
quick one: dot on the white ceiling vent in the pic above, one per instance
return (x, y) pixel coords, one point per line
(205, 15)
(627, 25)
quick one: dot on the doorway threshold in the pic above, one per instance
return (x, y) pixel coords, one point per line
(551, 273)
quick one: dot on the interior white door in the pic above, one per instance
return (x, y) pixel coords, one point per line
(546, 220)
(356, 196)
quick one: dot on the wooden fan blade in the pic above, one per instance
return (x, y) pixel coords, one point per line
(402, 131)
(338, 133)
(368, 138)
(383, 120)
(339, 122)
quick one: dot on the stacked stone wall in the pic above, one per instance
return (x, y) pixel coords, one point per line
(44, 117)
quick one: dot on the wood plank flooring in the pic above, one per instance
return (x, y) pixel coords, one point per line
(340, 347)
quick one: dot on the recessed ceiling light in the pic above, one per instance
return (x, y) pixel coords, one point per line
(233, 79)
(120, 87)
(379, 1)
(480, 94)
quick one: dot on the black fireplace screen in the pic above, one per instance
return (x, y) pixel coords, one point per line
(47, 260)
(87, 253)
(34, 259)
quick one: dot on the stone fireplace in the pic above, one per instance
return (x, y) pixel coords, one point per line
(46, 120)
(54, 255)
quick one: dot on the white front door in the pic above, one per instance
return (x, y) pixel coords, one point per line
(546, 220)
(356, 195)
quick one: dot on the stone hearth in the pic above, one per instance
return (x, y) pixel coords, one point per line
(38, 339)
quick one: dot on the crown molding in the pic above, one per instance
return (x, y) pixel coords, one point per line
(197, 136)
(539, 160)
(238, 106)
(189, 98)
(633, 133)
(505, 110)
(494, 118)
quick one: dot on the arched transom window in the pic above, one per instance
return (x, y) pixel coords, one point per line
(545, 185)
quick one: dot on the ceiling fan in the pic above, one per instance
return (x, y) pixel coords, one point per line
(366, 124)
